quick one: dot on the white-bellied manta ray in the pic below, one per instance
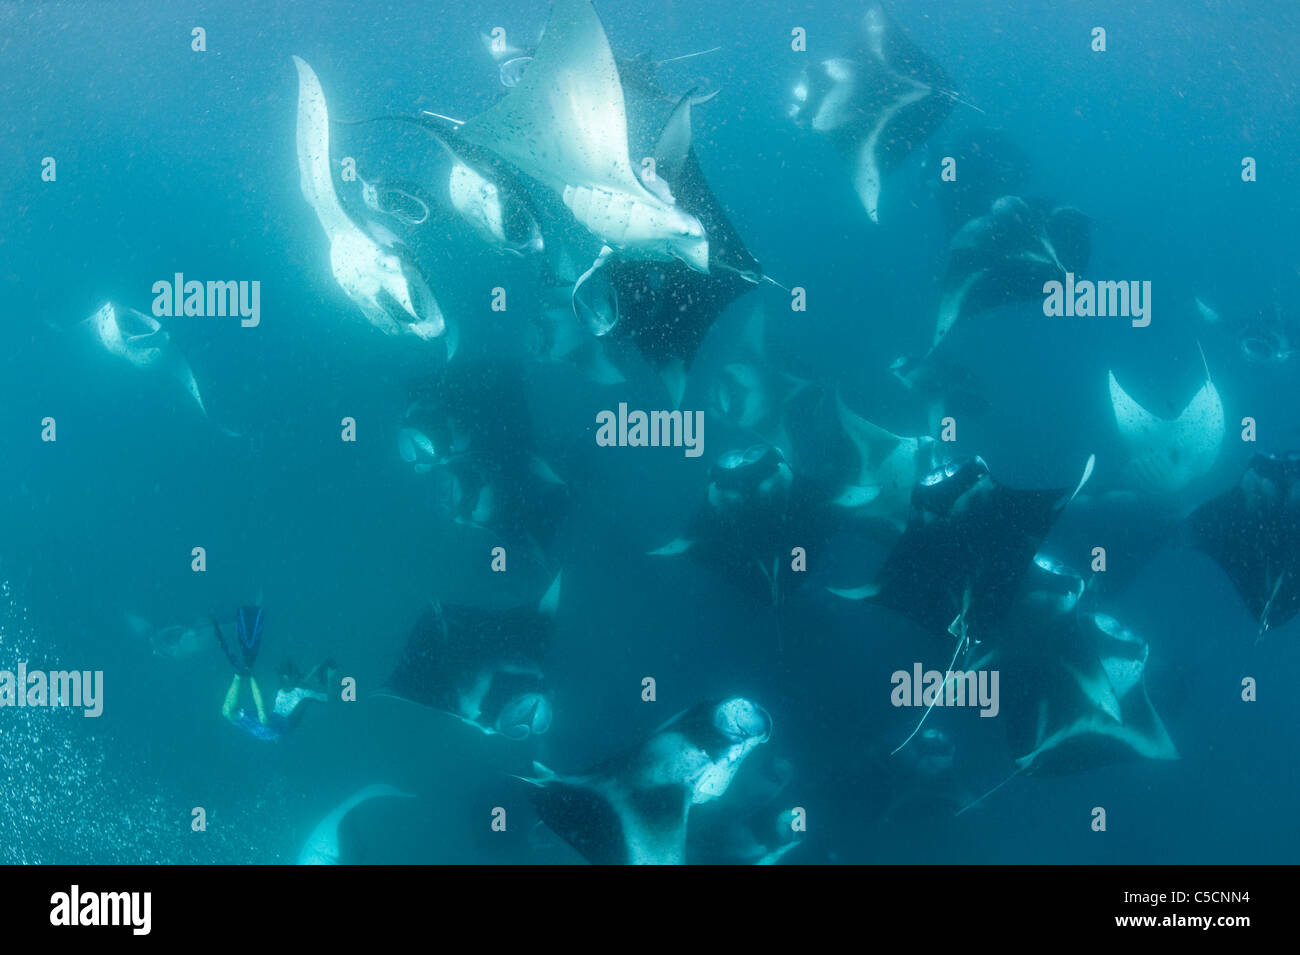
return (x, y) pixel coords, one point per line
(565, 125)
(143, 342)
(1165, 455)
(376, 271)
(322, 846)
(485, 191)
(633, 808)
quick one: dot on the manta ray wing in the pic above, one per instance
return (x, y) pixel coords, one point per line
(1252, 531)
(565, 125)
(966, 549)
(313, 133)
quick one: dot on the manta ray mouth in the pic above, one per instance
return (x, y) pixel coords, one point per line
(741, 720)
(1264, 348)
(524, 716)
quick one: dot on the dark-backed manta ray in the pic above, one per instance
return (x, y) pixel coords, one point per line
(481, 666)
(969, 543)
(866, 471)
(1090, 706)
(1267, 335)
(923, 781)
(750, 394)
(565, 125)
(1252, 531)
(1080, 702)
(633, 808)
(1007, 254)
(666, 308)
(470, 427)
(755, 512)
(561, 337)
(322, 845)
(1073, 693)
(878, 103)
(376, 271)
(989, 164)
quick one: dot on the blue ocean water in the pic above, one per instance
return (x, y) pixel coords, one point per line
(171, 160)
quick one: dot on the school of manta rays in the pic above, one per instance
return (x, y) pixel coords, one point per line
(639, 260)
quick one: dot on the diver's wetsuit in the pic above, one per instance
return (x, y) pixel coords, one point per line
(289, 706)
(273, 729)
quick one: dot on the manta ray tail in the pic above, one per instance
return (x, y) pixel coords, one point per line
(542, 776)
(1204, 364)
(429, 112)
(976, 802)
(957, 99)
(946, 677)
(688, 56)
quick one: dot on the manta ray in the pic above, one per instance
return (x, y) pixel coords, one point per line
(1073, 681)
(485, 192)
(1166, 455)
(878, 103)
(1252, 531)
(753, 823)
(989, 164)
(378, 273)
(633, 807)
(868, 471)
(470, 427)
(751, 393)
(565, 125)
(756, 511)
(143, 342)
(561, 337)
(1266, 335)
(481, 666)
(969, 543)
(1088, 705)
(862, 468)
(665, 309)
(1007, 254)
